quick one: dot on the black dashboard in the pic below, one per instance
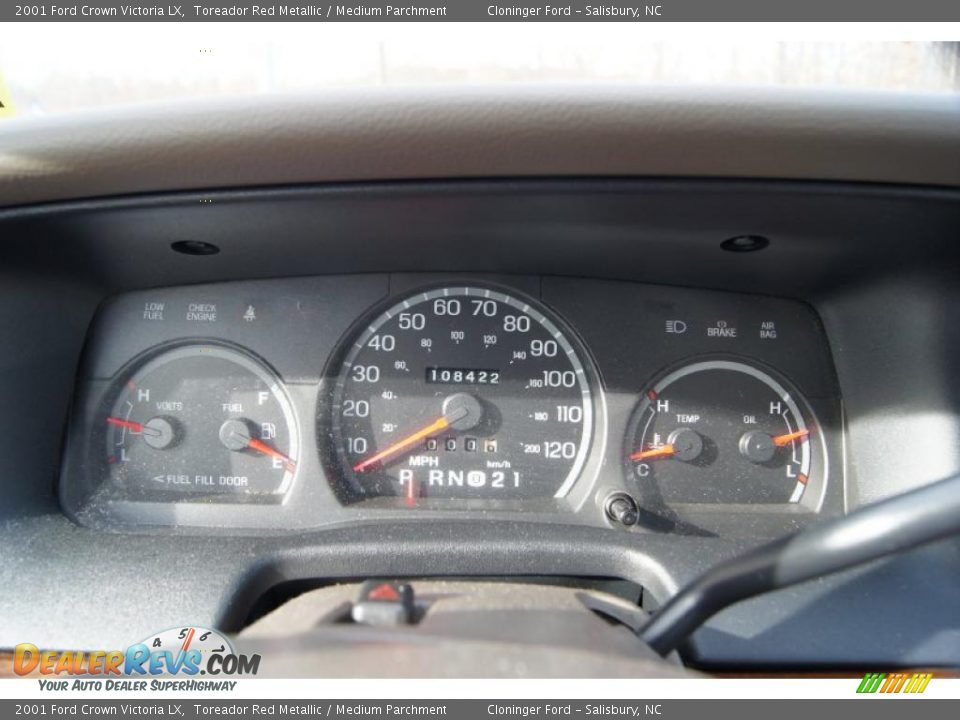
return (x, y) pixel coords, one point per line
(733, 396)
(283, 405)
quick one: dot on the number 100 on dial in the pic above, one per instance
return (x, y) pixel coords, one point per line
(462, 392)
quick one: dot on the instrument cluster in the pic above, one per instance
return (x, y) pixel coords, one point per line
(280, 405)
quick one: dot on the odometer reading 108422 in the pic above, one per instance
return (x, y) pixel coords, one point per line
(462, 392)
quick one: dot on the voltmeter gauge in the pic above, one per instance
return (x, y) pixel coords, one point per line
(725, 432)
(200, 421)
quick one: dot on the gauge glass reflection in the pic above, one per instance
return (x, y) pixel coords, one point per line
(463, 392)
(724, 432)
(201, 421)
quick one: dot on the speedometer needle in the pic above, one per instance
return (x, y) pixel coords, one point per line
(661, 452)
(787, 438)
(437, 426)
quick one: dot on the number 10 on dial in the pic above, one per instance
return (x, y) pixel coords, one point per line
(462, 392)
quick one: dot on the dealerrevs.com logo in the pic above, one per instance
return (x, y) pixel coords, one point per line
(185, 651)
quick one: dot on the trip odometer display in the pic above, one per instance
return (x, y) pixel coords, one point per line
(462, 392)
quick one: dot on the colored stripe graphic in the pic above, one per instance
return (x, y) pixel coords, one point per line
(894, 683)
(920, 683)
(871, 682)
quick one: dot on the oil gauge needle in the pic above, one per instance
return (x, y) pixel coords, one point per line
(787, 438)
(664, 451)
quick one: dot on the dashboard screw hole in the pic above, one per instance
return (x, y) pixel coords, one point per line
(194, 247)
(745, 243)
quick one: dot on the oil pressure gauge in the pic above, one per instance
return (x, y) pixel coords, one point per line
(200, 421)
(725, 432)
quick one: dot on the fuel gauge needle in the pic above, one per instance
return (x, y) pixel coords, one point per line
(664, 451)
(787, 438)
(261, 447)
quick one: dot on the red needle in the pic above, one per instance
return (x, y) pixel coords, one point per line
(660, 452)
(781, 440)
(128, 424)
(187, 640)
(262, 447)
(413, 489)
(437, 426)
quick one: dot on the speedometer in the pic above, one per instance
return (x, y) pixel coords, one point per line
(462, 392)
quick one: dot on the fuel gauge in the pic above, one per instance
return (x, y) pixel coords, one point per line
(725, 432)
(201, 421)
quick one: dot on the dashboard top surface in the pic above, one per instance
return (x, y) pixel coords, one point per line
(497, 132)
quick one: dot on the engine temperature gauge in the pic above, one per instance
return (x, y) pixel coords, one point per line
(201, 421)
(725, 432)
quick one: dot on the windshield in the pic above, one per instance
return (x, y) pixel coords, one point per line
(124, 64)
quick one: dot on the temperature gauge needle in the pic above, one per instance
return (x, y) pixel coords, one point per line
(437, 426)
(261, 447)
(663, 451)
(787, 438)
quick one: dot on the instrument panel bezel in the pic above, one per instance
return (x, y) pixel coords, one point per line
(621, 326)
